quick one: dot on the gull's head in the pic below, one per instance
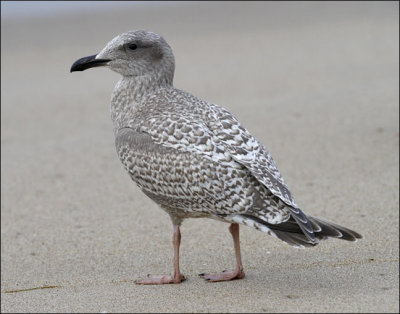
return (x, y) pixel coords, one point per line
(135, 53)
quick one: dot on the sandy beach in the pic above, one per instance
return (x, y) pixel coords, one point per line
(316, 83)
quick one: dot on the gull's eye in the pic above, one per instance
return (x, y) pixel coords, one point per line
(132, 46)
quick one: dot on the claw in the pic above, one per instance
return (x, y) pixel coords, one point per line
(224, 275)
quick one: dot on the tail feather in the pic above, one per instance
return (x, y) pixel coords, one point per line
(301, 232)
(294, 239)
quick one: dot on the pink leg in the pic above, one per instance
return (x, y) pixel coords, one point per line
(238, 273)
(177, 277)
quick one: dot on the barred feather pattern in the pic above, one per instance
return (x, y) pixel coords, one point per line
(187, 185)
(177, 119)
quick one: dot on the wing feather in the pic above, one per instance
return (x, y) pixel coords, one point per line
(189, 124)
(249, 152)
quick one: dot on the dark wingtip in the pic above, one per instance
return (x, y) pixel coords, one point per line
(329, 228)
(304, 223)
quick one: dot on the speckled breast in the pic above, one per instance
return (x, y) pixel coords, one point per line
(183, 181)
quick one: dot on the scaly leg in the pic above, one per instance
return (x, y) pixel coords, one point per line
(238, 273)
(177, 277)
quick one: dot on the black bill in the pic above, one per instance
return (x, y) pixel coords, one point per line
(88, 62)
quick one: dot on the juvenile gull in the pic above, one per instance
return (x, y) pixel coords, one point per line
(195, 159)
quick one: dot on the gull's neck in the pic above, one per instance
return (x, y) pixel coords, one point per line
(132, 91)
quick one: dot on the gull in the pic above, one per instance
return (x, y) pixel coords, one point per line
(195, 159)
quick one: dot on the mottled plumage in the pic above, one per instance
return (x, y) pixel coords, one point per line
(194, 158)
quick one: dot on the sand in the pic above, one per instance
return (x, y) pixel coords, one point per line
(317, 83)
